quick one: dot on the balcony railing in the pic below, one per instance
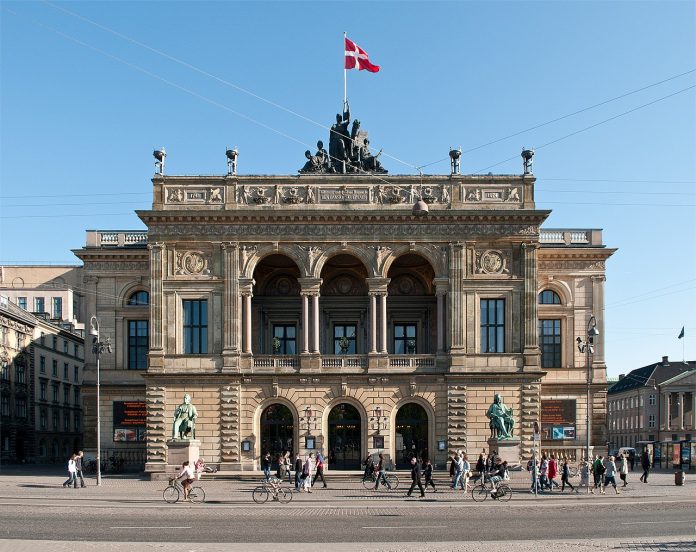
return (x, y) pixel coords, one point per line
(412, 361)
(343, 361)
(273, 361)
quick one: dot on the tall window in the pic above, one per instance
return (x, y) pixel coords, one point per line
(39, 304)
(66, 421)
(77, 396)
(651, 420)
(55, 343)
(195, 327)
(405, 339)
(76, 375)
(20, 373)
(139, 299)
(66, 371)
(550, 343)
(492, 325)
(66, 394)
(345, 339)
(5, 372)
(5, 404)
(22, 302)
(57, 311)
(77, 421)
(284, 340)
(137, 345)
(652, 400)
(21, 407)
(43, 419)
(55, 393)
(43, 390)
(549, 297)
(42, 364)
(54, 369)
(54, 420)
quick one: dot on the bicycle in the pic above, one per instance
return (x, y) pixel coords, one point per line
(175, 490)
(480, 492)
(272, 486)
(370, 480)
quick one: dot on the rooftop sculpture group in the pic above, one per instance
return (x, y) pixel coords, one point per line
(348, 152)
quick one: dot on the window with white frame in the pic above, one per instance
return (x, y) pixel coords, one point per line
(651, 420)
(652, 399)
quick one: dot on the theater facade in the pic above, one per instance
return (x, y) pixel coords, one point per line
(316, 312)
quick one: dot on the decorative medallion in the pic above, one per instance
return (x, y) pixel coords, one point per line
(193, 263)
(491, 262)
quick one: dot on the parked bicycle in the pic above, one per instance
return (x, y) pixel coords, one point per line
(370, 480)
(272, 487)
(501, 491)
(175, 491)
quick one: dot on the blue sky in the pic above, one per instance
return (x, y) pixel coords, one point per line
(78, 126)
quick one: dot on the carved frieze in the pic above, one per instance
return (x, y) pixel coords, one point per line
(201, 195)
(582, 264)
(192, 263)
(117, 266)
(492, 261)
(511, 194)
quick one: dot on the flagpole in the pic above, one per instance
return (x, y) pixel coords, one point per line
(345, 72)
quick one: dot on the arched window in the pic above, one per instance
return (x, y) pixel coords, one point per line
(549, 297)
(139, 299)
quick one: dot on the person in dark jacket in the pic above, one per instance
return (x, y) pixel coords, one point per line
(299, 464)
(319, 473)
(266, 465)
(565, 476)
(480, 465)
(380, 473)
(415, 478)
(78, 468)
(645, 464)
(428, 473)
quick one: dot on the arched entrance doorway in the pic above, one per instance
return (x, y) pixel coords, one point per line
(344, 437)
(277, 430)
(411, 437)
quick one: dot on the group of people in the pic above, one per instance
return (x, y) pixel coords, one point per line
(75, 471)
(546, 470)
(308, 469)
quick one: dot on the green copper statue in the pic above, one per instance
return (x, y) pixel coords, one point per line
(185, 420)
(502, 423)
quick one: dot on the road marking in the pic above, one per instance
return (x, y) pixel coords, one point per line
(151, 527)
(406, 527)
(657, 522)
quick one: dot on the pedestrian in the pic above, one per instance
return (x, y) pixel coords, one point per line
(428, 473)
(553, 471)
(610, 474)
(266, 465)
(544, 473)
(369, 467)
(585, 474)
(299, 464)
(466, 472)
(645, 464)
(565, 476)
(458, 471)
(288, 466)
(280, 470)
(307, 470)
(380, 473)
(453, 466)
(623, 469)
(415, 477)
(319, 474)
(632, 458)
(71, 471)
(532, 468)
(78, 470)
(480, 466)
(598, 470)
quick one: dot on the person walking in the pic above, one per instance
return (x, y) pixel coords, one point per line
(71, 471)
(288, 466)
(610, 474)
(307, 470)
(544, 473)
(452, 469)
(415, 477)
(565, 476)
(78, 470)
(553, 471)
(480, 466)
(466, 472)
(645, 464)
(632, 458)
(380, 473)
(598, 470)
(369, 467)
(299, 464)
(266, 465)
(584, 474)
(458, 471)
(623, 469)
(428, 473)
(319, 474)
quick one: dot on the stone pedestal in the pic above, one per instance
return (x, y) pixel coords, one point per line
(178, 451)
(506, 449)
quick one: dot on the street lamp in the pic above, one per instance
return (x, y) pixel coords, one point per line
(587, 347)
(98, 348)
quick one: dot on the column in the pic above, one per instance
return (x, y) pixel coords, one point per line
(247, 321)
(231, 325)
(693, 410)
(681, 410)
(529, 302)
(597, 310)
(373, 323)
(315, 316)
(383, 300)
(440, 329)
(305, 323)
(156, 299)
(667, 413)
(456, 294)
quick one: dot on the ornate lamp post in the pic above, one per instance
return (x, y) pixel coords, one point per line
(98, 348)
(379, 419)
(587, 347)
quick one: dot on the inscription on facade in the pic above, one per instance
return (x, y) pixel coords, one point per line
(354, 195)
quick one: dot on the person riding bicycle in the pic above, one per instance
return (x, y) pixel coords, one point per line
(186, 477)
(499, 473)
(369, 467)
(381, 473)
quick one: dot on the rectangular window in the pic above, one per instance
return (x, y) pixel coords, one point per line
(54, 420)
(550, 343)
(651, 400)
(405, 341)
(77, 396)
(55, 343)
(43, 390)
(137, 344)
(22, 302)
(21, 409)
(76, 350)
(5, 405)
(55, 393)
(20, 374)
(492, 325)
(43, 419)
(651, 420)
(345, 339)
(57, 311)
(195, 327)
(66, 371)
(65, 346)
(284, 340)
(39, 304)
(42, 364)
(77, 422)
(54, 370)
(66, 421)
(66, 395)
(43, 338)
(76, 375)
(5, 372)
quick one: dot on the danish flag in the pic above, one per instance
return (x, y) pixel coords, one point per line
(357, 58)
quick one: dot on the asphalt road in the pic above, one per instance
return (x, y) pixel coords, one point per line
(412, 520)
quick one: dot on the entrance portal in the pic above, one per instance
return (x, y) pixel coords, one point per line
(277, 431)
(411, 434)
(344, 438)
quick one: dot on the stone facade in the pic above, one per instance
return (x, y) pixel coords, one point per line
(336, 319)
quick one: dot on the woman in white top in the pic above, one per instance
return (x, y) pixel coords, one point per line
(72, 471)
(307, 471)
(466, 472)
(623, 469)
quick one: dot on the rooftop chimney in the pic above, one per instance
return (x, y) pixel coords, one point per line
(621, 376)
(665, 361)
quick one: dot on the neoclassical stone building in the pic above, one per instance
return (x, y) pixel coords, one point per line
(316, 312)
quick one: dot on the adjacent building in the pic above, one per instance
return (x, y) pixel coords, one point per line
(317, 312)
